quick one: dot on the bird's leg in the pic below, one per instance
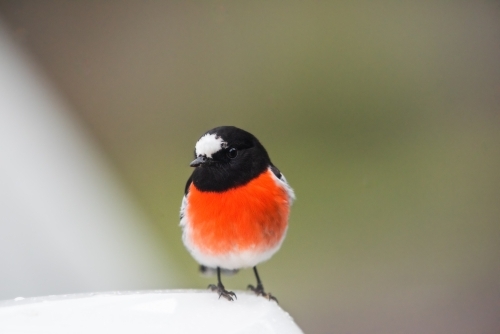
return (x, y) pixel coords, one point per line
(221, 290)
(259, 289)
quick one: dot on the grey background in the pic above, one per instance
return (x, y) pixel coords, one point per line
(384, 117)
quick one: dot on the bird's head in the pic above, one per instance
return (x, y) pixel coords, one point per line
(226, 157)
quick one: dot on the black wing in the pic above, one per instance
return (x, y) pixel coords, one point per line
(186, 190)
(276, 171)
(188, 183)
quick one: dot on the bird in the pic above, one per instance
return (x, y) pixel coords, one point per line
(236, 205)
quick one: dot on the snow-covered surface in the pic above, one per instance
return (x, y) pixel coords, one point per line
(173, 311)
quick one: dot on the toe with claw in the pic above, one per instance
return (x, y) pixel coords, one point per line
(229, 295)
(259, 291)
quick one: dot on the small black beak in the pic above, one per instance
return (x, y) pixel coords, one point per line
(198, 161)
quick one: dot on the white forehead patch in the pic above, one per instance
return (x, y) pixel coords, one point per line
(209, 144)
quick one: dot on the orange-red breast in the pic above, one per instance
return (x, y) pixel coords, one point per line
(236, 204)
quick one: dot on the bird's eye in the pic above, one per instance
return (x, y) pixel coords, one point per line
(232, 153)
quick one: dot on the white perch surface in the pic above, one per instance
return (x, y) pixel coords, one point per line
(172, 311)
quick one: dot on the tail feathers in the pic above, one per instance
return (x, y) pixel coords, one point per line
(208, 271)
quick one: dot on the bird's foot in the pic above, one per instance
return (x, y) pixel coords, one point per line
(222, 291)
(259, 291)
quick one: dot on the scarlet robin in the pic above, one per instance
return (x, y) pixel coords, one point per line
(236, 204)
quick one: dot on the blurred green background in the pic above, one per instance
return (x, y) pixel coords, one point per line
(383, 115)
